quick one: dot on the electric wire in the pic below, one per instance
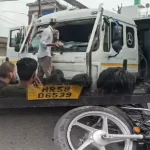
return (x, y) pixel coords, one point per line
(10, 19)
(7, 21)
(7, 11)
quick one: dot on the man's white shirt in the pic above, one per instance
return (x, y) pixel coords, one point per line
(46, 38)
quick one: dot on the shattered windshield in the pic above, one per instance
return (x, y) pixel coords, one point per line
(75, 46)
(74, 35)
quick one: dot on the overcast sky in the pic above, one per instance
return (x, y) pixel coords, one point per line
(8, 20)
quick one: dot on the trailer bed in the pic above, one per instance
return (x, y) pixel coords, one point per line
(78, 98)
(109, 100)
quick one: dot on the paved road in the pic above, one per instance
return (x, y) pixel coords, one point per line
(28, 129)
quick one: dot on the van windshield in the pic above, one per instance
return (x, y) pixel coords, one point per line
(74, 35)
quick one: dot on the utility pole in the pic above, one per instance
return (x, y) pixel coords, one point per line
(39, 13)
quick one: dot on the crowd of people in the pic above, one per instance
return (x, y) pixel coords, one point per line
(110, 80)
(26, 68)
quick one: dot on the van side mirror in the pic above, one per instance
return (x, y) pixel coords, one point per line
(117, 36)
(18, 38)
(117, 46)
(117, 33)
(106, 21)
(17, 47)
(17, 42)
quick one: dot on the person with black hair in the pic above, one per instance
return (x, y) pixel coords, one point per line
(26, 69)
(116, 80)
(8, 73)
(44, 52)
(7, 59)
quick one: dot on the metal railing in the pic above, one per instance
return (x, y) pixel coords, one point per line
(90, 45)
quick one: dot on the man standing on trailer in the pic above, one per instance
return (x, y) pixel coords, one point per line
(44, 53)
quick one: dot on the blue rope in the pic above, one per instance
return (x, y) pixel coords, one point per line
(117, 24)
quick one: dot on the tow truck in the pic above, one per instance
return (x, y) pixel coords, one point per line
(97, 122)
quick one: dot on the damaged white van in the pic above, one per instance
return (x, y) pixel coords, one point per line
(88, 36)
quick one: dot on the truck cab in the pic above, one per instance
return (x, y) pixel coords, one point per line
(91, 39)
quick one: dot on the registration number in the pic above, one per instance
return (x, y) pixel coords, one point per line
(54, 92)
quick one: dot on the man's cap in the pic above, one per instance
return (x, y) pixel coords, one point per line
(53, 20)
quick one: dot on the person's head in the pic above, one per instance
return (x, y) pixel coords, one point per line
(7, 59)
(8, 72)
(26, 68)
(52, 22)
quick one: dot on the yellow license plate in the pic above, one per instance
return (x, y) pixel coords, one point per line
(50, 92)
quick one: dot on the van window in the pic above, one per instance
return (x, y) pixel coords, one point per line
(130, 38)
(113, 37)
(42, 26)
(35, 42)
(14, 37)
(106, 44)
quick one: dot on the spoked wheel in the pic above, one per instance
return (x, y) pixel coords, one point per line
(92, 128)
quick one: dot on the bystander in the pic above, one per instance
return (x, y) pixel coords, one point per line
(8, 73)
(26, 68)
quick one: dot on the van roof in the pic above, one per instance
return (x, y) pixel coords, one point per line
(140, 19)
(67, 15)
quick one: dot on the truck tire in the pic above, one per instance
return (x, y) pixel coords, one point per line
(62, 126)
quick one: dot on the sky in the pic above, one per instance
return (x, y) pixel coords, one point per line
(10, 17)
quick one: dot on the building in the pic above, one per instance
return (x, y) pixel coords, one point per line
(3, 40)
(3, 46)
(133, 11)
(137, 2)
(137, 10)
(47, 7)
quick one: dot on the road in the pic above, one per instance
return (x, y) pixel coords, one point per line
(28, 129)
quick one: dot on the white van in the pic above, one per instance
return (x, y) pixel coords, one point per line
(88, 36)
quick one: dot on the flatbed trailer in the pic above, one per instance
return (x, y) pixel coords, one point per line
(91, 100)
(113, 107)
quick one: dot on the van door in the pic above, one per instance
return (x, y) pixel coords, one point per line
(72, 60)
(128, 52)
(15, 38)
(25, 50)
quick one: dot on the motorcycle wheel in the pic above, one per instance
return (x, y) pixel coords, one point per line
(83, 128)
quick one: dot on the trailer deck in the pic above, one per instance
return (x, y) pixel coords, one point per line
(82, 101)
(71, 95)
